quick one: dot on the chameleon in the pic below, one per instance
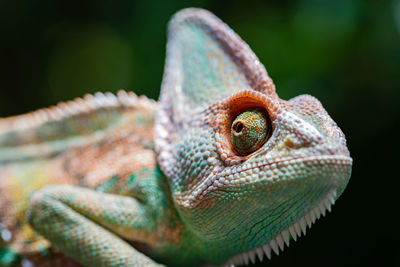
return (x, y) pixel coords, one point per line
(219, 171)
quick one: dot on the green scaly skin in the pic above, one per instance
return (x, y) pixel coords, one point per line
(208, 191)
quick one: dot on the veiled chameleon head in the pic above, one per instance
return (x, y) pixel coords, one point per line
(246, 168)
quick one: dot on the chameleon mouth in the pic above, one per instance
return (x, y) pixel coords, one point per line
(277, 243)
(229, 178)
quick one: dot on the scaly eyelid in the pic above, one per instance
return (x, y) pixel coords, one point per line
(227, 110)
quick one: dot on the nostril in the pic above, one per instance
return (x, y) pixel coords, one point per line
(294, 142)
(289, 143)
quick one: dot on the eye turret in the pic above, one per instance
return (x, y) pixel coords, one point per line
(249, 131)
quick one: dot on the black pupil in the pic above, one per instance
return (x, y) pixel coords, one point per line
(238, 127)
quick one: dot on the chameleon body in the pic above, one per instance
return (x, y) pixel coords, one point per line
(219, 171)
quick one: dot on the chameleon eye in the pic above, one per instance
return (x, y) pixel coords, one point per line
(249, 131)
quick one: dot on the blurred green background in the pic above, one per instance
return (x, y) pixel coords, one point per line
(346, 53)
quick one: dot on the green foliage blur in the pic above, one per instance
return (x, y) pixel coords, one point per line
(344, 52)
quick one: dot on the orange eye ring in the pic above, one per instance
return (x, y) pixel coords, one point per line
(227, 111)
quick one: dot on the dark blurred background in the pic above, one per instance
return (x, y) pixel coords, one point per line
(346, 53)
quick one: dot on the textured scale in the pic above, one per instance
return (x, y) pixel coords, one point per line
(219, 171)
